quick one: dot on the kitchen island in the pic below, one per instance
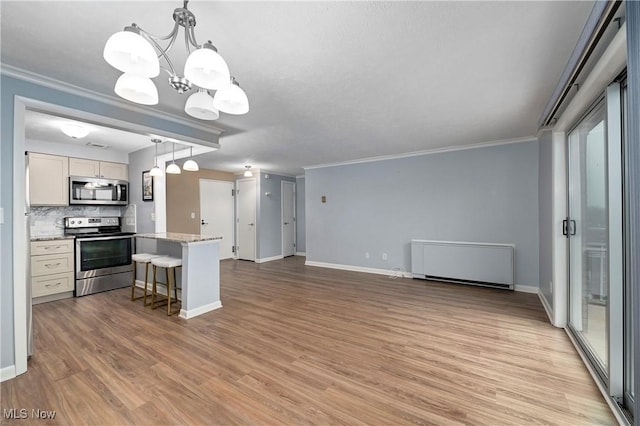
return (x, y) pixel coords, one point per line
(200, 277)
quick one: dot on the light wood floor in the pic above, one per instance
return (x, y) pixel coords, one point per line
(305, 345)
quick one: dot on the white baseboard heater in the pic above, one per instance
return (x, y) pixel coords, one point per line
(483, 264)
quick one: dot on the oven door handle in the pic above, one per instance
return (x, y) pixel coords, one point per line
(115, 237)
(118, 192)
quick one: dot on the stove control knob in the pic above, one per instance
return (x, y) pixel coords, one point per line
(73, 221)
(79, 222)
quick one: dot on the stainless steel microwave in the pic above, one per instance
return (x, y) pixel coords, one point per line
(97, 191)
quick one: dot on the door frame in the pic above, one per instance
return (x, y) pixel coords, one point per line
(255, 214)
(282, 185)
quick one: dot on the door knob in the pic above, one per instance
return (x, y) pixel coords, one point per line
(251, 224)
(202, 222)
(286, 223)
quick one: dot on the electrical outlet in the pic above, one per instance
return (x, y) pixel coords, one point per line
(153, 217)
(193, 215)
(366, 255)
(384, 256)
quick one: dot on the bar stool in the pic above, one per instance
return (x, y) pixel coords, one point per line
(146, 259)
(170, 264)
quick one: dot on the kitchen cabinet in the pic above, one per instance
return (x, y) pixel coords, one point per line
(48, 180)
(101, 169)
(52, 274)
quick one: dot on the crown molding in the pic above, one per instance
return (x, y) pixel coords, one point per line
(39, 79)
(425, 152)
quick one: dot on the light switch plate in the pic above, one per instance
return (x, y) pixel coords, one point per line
(1, 215)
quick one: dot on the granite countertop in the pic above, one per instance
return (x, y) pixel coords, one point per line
(53, 237)
(177, 237)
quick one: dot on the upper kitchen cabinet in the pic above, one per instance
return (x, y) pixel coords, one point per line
(100, 169)
(48, 180)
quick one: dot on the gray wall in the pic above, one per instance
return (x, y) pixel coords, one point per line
(269, 215)
(545, 215)
(485, 194)
(301, 240)
(10, 88)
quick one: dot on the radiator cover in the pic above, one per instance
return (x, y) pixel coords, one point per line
(485, 264)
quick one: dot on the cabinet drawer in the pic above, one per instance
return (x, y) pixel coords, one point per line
(51, 284)
(51, 264)
(51, 247)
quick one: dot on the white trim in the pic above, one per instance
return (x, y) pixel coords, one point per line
(200, 310)
(301, 253)
(389, 272)
(545, 305)
(269, 259)
(7, 373)
(425, 152)
(20, 243)
(356, 268)
(559, 211)
(52, 83)
(532, 289)
(300, 177)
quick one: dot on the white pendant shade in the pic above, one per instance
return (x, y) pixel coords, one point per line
(134, 88)
(231, 99)
(156, 171)
(173, 169)
(248, 172)
(200, 105)
(74, 130)
(205, 68)
(131, 53)
(190, 166)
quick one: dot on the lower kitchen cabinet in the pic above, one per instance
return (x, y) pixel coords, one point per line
(52, 274)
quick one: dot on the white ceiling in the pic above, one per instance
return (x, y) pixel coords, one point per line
(330, 81)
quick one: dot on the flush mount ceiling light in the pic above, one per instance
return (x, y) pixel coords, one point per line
(156, 171)
(248, 172)
(190, 165)
(136, 53)
(74, 130)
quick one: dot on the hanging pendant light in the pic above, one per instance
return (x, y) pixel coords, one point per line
(156, 171)
(190, 165)
(248, 172)
(173, 168)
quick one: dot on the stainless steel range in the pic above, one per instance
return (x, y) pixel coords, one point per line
(103, 253)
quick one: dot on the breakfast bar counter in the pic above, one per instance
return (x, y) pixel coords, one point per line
(200, 277)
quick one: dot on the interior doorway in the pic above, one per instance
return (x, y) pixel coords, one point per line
(216, 213)
(288, 218)
(246, 219)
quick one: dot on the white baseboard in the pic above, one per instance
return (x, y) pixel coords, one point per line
(269, 259)
(395, 273)
(526, 289)
(545, 305)
(387, 272)
(7, 373)
(201, 310)
(301, 253)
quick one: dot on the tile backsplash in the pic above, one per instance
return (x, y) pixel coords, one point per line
(49, 221)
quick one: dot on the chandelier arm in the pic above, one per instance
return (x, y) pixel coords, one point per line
(163, 52)
(157, 37)
(186, 38)
(192, 38)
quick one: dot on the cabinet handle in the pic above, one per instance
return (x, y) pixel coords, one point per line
(53, 285)
(52, 265)
(52, 247)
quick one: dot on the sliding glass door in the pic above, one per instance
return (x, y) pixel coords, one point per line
(599, 296)
(587, 226)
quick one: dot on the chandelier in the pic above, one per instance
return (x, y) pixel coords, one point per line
(137, 54)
